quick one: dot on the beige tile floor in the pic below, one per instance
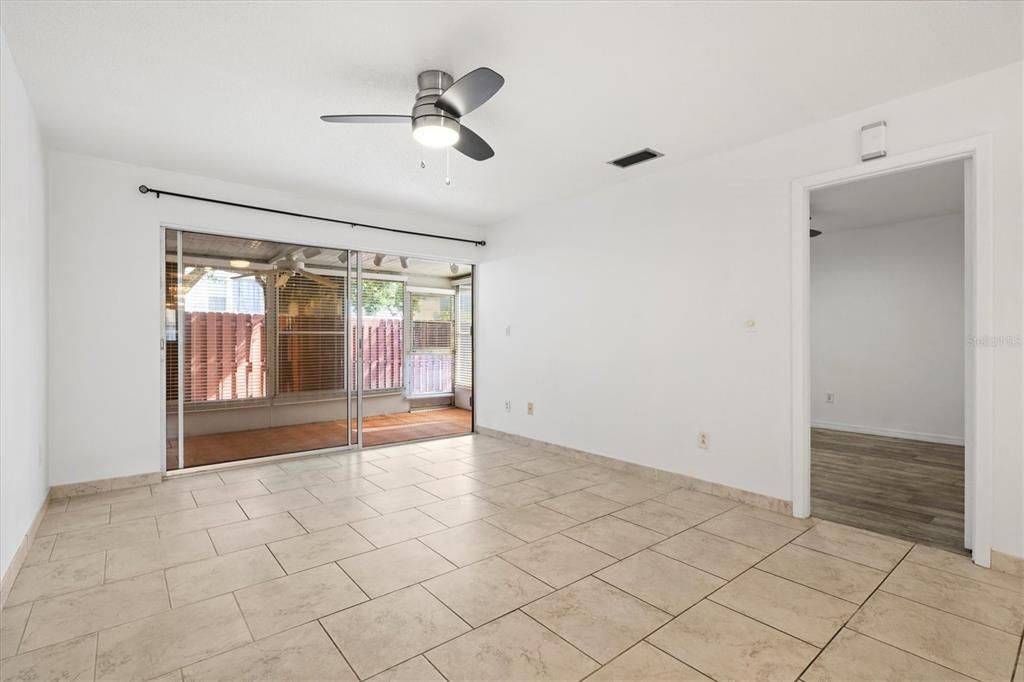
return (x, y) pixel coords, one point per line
(476, 559)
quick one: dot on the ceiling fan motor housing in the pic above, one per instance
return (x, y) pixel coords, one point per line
(432, 85)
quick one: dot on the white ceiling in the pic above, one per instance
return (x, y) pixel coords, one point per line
(234, 89)
(890, 199)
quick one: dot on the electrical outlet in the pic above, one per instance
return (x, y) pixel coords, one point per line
(830, 397)
(529, 409)
(508, 405)
(702, 440)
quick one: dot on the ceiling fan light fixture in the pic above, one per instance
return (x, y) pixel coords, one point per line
(435, 131)
(239, 263)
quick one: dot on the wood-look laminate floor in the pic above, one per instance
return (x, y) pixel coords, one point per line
(905, 488)
(383, 429)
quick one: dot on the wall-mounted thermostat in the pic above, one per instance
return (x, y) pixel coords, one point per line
(872, 141)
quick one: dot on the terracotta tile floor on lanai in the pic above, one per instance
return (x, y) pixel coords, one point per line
(377, 430)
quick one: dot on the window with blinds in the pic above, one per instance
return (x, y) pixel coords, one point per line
(311, 324)
(464, 336)
(225, 335)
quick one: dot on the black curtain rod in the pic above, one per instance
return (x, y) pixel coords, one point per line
(158, 192)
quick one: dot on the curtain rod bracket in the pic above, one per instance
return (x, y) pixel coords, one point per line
(143, 189)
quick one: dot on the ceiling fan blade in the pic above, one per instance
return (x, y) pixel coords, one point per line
(470, 91)
(472, 145)
(319, 279)
(366, 118)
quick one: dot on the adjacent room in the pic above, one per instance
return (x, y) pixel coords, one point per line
(606, 341)
(887, 354)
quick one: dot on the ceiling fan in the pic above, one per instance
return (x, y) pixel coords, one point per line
(439, 107)
(283, 269)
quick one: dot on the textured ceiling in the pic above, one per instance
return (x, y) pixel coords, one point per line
(233, 89)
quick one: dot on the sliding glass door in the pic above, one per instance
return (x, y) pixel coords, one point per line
(258, 361)
(273, 348)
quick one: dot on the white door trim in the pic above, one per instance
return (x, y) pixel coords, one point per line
(976, 152)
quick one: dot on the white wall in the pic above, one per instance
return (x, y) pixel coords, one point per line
(106, 294)
(628, 305)
(887, 329)
(23, 485)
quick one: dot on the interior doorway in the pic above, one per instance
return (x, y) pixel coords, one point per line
(276, 348)
(887, 354)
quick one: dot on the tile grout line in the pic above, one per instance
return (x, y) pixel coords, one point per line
(881, 588)
(669, 654)
(21, 637)
(918, 562)
(859, 563)
(910, 653)
(431, 664)
(854, 614)
(728, 581)
(241, 612)
(647, 641)
(560, 637)
(280, 565)
(95, 656)
(335, 645)
(1018, 665)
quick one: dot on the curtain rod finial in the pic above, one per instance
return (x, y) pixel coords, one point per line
(143, 189)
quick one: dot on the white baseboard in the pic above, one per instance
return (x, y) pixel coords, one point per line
(774, 504)
(891, 433)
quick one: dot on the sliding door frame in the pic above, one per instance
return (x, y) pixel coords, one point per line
(271, 305)
(355, 441)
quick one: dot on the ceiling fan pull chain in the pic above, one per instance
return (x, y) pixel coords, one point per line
(447, 168)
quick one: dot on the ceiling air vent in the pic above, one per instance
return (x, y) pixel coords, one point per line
(635, 158)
